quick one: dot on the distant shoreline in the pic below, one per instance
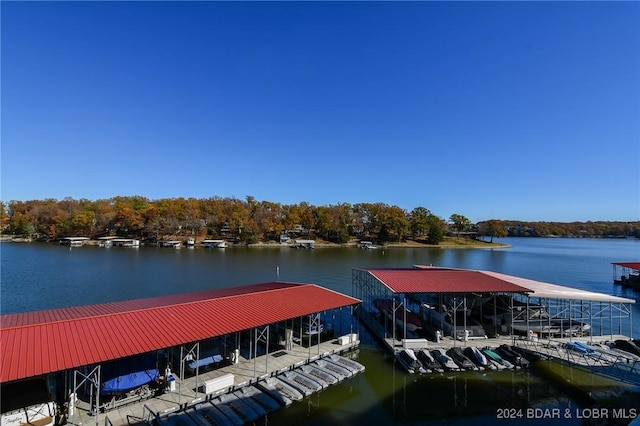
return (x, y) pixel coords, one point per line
(449, 243)
(466, 244)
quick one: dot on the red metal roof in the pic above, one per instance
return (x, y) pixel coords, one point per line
(632, 265)
(432, 280)
(36, 343)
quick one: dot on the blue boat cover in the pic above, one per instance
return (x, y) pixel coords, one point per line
(129, 381)
(204, 361)
(125, 374)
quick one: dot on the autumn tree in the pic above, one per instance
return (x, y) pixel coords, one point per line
(4, 217)
(395, 219)
(492, 228)
(419, 221)
(460, 223)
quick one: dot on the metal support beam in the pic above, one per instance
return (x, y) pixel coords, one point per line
(93, 378)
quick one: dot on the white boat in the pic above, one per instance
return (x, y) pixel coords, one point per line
(542, 326)
(279, 390)
(570, 327)
(338, 371)
(42, 414)
(347, 363)
(302, 383)
(323, 377)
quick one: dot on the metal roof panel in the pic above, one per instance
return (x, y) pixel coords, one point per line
(432, 280)
(92, 334)
(632, 265)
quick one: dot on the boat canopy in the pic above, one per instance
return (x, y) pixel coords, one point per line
(544, 290)
(630, 265)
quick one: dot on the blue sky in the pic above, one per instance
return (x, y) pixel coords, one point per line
(527, 110)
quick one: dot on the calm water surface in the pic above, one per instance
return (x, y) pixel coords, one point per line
(45, 276)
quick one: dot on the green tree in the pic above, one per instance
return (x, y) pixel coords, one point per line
(436, 227)
(419, 221)
(459, 222)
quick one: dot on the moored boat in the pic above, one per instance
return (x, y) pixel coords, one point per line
(459, 358)
(428, 361)
(350, 364)
(592, 352)
(506, 352)
(445, 360)
(627, 346)
(494, 357)
(478, 358)
(279, 391)
(301, 382)
(340, 372)
(27, 402)
(320, 376)
(619, 355)
(529, 354)
(407, 358)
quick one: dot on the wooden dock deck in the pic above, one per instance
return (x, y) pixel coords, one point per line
(189, 392)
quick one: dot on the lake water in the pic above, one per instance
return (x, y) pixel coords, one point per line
(45, 276)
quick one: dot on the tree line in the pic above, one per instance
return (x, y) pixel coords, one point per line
(252, 221)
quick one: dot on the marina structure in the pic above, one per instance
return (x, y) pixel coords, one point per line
(627, 274)
(164, 357)
(422, 313)
(118, 242)
(214, 243)
(73, 241)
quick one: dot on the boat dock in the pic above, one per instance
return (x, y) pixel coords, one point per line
(190, 393)
(425, 312)
(140, 360)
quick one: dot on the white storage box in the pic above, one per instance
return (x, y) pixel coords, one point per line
(218, 384)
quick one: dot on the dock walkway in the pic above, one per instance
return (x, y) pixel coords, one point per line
(189, 392)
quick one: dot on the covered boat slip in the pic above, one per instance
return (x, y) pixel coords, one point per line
(451, 303)
(191, 392)
(82, 345)
(627, 274)
(597, 314)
